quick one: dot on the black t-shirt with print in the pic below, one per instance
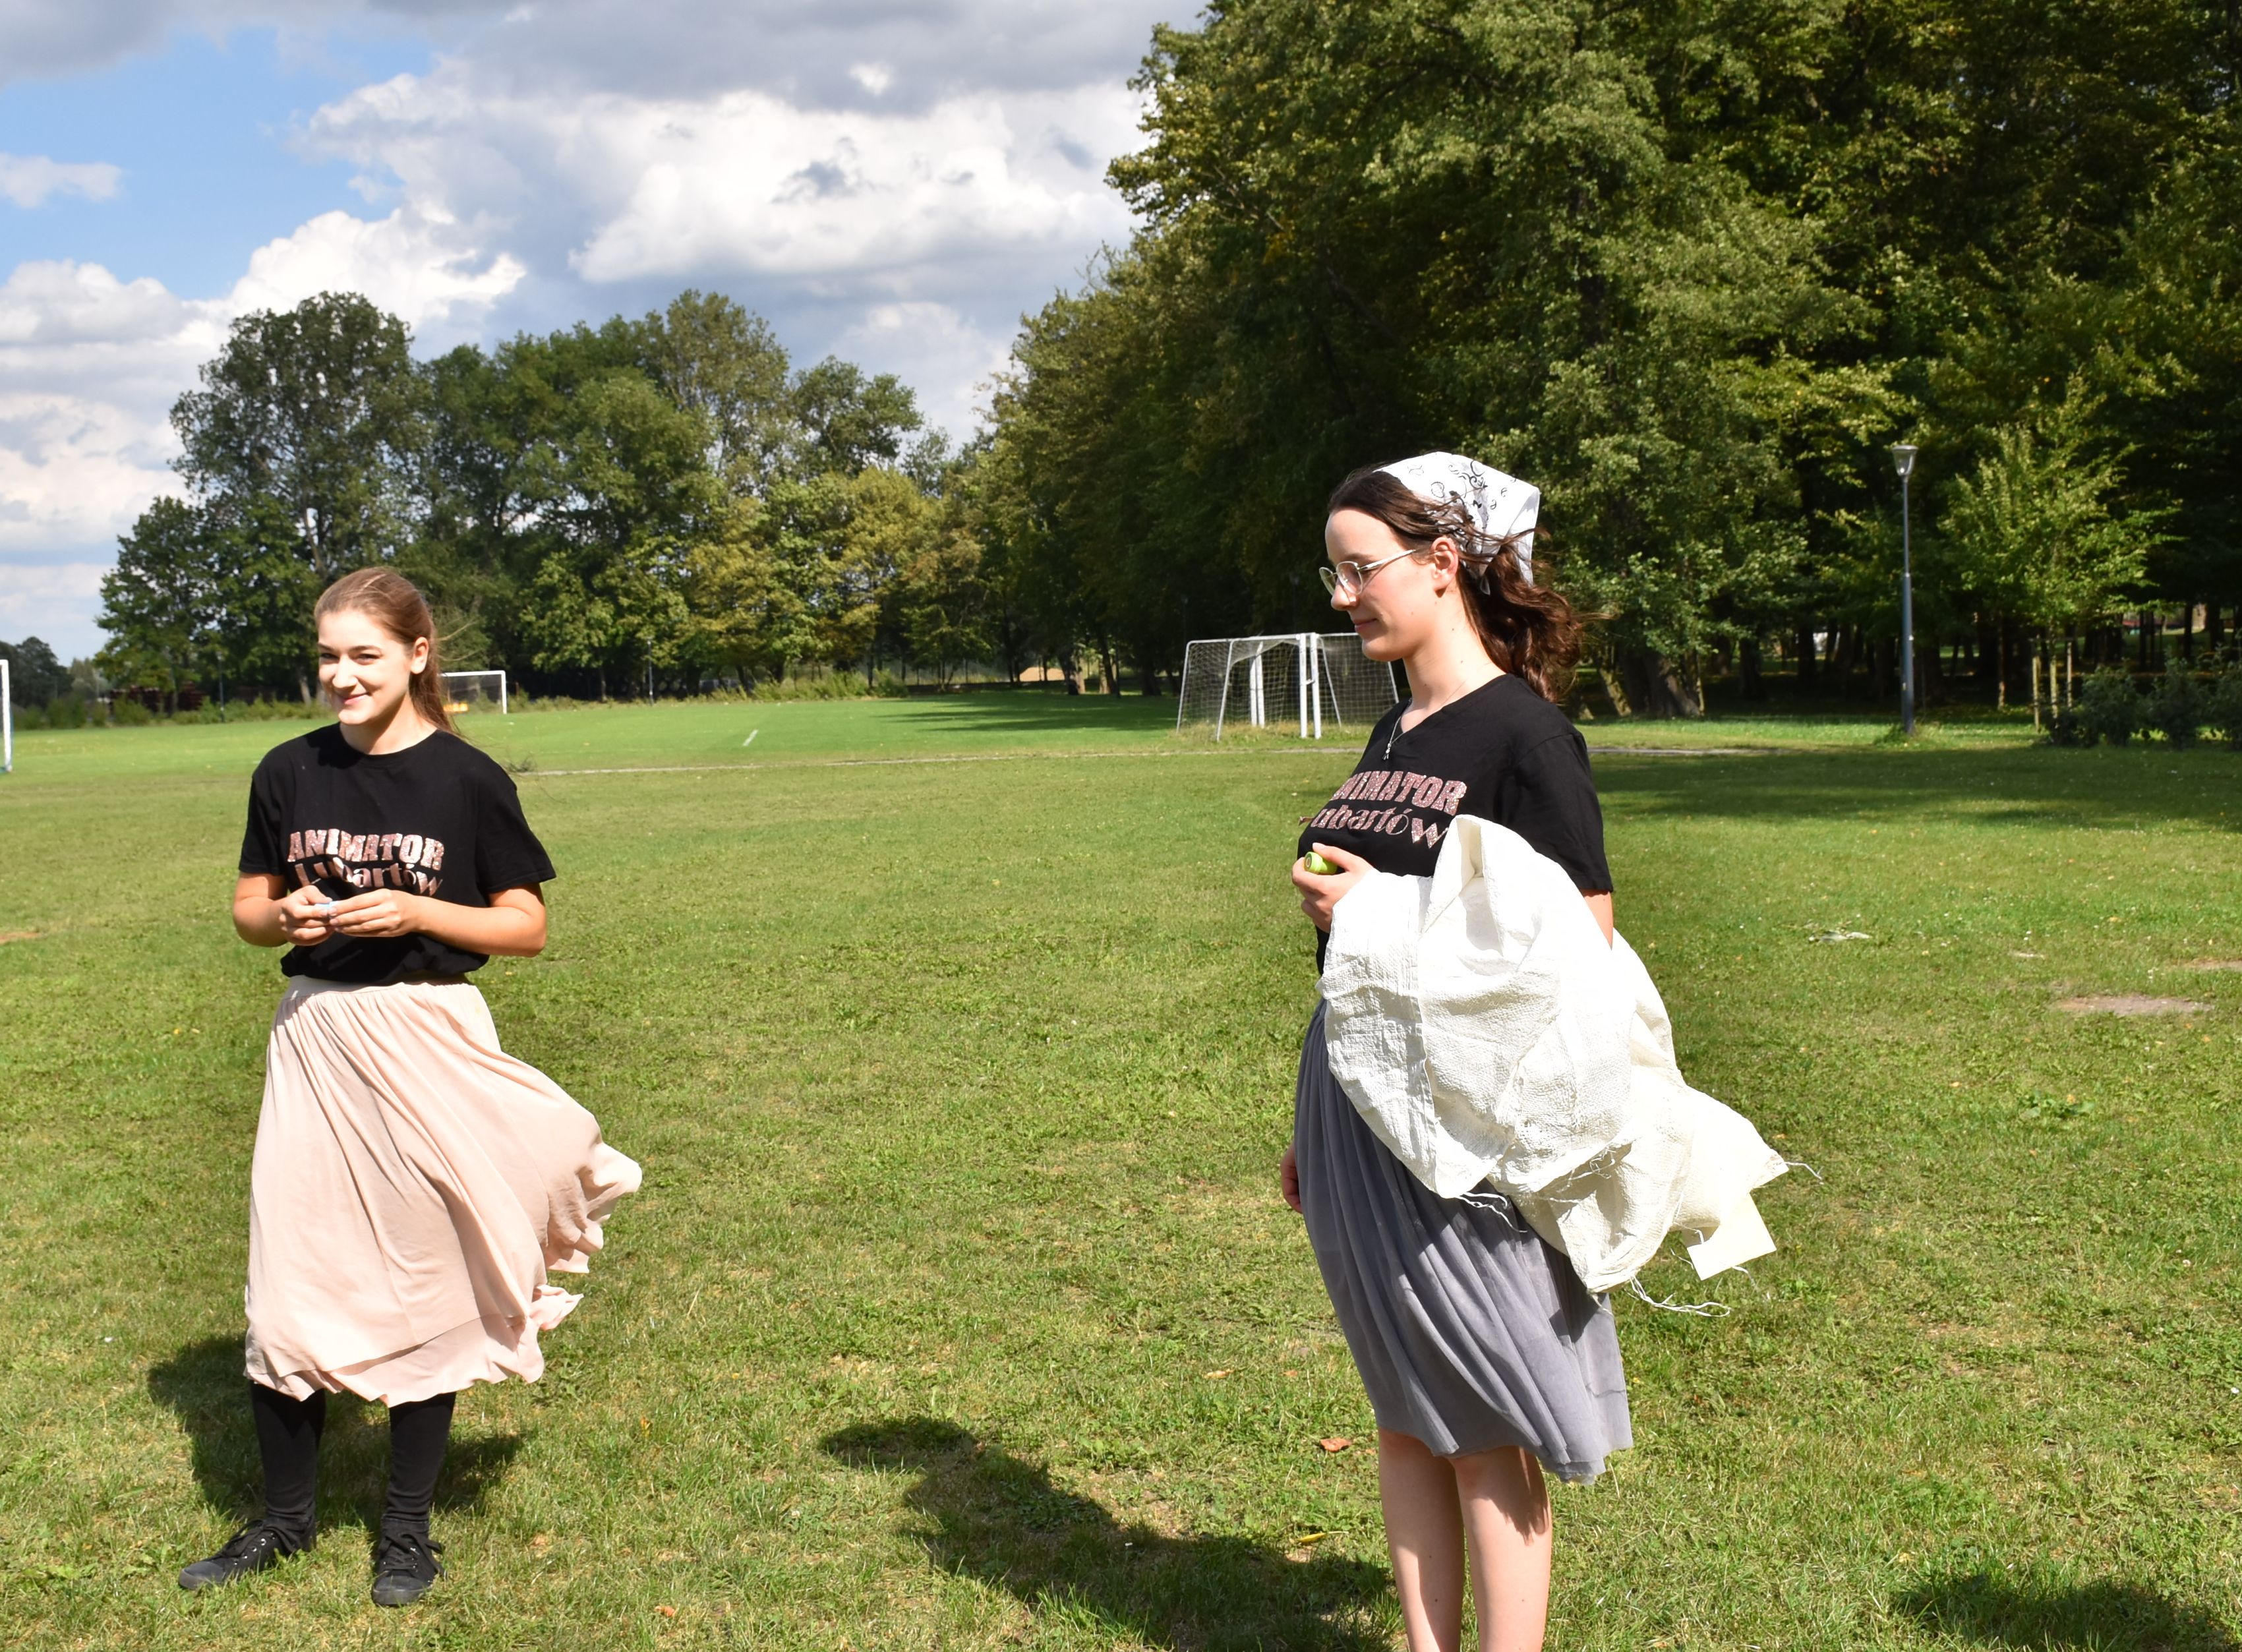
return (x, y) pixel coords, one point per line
(1502, 753)
(439, 818)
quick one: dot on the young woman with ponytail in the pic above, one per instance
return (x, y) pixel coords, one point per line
(412, 1184)
(1485, 1358)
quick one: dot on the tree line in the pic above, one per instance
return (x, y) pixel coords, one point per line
(655, 501)
(1691, 269)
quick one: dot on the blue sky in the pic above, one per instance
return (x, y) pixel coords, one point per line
(895, 180)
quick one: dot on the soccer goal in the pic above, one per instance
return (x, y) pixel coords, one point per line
(7, 723)
(474, 691)
(1276, 682)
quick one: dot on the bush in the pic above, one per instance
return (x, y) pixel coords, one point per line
(128, 714)
(817, 683)
(2222, 704)
(273, 710)
(2175, 708)
(2109, 709)
(890, 685)
(65, 711)
(2067, 727)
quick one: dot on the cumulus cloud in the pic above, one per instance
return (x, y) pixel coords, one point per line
(29, 181)
(50, 600)
(745, 183)
(931, 346)
(420, 266)
(807, 53)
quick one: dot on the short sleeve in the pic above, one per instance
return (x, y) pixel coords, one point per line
(507, 853)
(264, 843)
(1551, 803)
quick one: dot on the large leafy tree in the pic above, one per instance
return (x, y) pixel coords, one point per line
(318, 409)
(1688, 268)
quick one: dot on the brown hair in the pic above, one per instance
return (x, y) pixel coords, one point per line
(1528, 629)
(394, 603)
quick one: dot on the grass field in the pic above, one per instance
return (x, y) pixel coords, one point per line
(959, 1309)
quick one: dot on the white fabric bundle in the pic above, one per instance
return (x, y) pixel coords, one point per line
(1500, 506)
(1492, 1041)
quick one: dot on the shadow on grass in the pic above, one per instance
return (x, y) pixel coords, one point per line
(202, 1385)
(2038, 786)
(996, 1518)
(2046, 1614)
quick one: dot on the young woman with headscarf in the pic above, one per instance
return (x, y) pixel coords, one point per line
(1485, 1359)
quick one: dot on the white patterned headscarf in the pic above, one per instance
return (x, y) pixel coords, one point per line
(1500, 507)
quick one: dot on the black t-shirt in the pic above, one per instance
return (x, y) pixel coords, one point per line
(439, 818)
(1502, 753)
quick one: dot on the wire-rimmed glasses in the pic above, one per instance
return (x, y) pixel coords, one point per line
(1347, 579)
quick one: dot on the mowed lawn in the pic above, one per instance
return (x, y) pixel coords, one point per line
(959, 1309)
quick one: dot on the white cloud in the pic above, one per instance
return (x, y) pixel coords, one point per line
(746, 183)
(932, 346)
(53, 601)
(30, 180)
(420, 266)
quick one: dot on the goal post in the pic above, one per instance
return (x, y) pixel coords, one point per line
(1297, 680)
(474, 691)
(7, 721)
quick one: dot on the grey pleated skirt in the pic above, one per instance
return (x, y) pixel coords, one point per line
(1470, 1331)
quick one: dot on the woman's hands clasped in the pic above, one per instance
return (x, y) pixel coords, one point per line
(1320, 894)
(309, 917)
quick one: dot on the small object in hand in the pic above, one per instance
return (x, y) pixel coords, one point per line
(1320, 866)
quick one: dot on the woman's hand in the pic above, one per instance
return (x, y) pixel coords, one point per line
(1288, 1177)
(1319, 895)
(304, 916)
(380, 912)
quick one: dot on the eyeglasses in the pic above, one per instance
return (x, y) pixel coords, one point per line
(1347, 579)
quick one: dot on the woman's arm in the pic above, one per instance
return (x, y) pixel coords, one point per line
(512, 925)
(266, 913)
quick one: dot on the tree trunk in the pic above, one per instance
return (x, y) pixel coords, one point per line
(1806, 662)
(1749, 667)
(1105, 658)
(1654, 688)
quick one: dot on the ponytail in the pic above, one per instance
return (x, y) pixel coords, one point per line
(1528, 629)
(394, 603)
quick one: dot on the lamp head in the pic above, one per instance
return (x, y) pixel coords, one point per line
(1904, 459)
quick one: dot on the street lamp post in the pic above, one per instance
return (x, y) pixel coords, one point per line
(1903, 461)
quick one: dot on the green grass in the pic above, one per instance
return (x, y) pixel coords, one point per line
(959, 1087)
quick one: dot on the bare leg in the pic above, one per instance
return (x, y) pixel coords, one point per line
(1506, 1515)
(1425, 1534)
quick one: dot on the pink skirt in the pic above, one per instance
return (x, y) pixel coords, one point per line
(414, 1185)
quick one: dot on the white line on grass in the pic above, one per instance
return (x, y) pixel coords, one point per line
(750, 740)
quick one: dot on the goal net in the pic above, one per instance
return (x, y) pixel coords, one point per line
(474, 691)
(1296, 682)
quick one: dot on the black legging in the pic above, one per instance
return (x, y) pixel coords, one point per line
(288, 1438)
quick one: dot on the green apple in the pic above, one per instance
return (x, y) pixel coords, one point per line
(1320, 866)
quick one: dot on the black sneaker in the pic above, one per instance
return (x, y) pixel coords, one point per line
(405, 1567)
(255, 1547)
